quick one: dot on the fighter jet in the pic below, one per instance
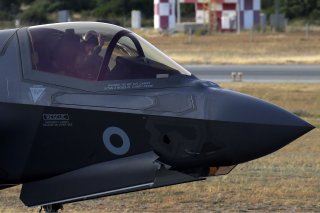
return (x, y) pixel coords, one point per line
(91, 109)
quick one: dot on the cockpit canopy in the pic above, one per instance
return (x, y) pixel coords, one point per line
(97, 52)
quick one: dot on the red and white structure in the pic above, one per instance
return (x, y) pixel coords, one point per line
(224, 13)
(164, 14)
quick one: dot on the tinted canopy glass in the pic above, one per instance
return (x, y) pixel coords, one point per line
(97, 52)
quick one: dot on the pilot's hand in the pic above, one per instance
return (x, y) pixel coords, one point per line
(101, 40)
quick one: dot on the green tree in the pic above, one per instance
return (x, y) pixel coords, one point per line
(307, 9)
(301, 8)
(74, 5)
(122, 8)
(8, 9)
(37, 13)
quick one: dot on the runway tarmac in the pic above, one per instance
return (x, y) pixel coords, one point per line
(258, 73)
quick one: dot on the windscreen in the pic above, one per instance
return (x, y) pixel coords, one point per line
(97, 52)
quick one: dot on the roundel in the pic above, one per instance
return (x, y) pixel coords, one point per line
(124, 148)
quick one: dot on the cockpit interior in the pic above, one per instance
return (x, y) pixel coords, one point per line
(97, 52)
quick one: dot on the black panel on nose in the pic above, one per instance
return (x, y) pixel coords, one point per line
(242, 142)
(227, 105)
(247, 128)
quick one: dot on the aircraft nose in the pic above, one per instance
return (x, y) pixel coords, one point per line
(246, 128)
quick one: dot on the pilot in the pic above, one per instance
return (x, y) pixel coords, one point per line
(88, 61)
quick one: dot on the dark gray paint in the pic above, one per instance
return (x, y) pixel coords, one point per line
(99, 179)
(133, 102)
(5, 36)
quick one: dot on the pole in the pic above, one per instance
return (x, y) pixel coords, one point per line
(214, 17)
(209, 16)
(178, 11)
(238, 17)
(307, 31)
(277, 13)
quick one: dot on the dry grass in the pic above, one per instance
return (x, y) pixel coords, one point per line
(247, 48)
(286, 181)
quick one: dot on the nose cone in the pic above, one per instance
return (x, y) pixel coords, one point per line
(246, 128)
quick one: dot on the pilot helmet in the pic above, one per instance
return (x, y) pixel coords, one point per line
(91, 37)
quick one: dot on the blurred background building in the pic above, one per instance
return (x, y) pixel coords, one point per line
(223, 15)
(164, 14)
(216, 15)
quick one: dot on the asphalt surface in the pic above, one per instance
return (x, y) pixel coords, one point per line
(258, 73)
